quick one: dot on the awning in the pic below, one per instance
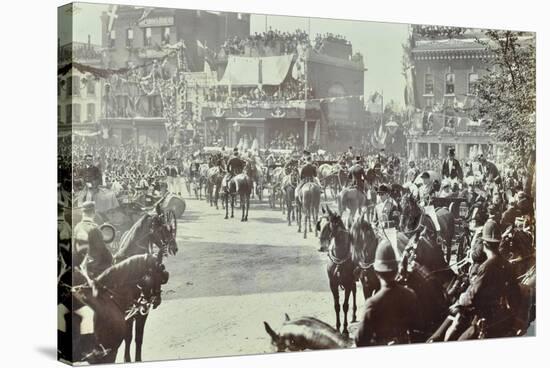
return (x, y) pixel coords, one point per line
(253, 71)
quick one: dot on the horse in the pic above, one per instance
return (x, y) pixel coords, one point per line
(201, 181)
(288, 188)
(129, 287)
(351, 199)
(214, 178)
(305, 333)
(308, 199)
(365, 239)
(240, 184)
(340, 267)
(328, 176)
(151, 229)
(413, 218)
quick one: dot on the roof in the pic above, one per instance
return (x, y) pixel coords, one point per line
(448, 45)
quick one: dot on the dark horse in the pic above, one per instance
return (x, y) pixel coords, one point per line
(151, 229)
(240, 184)
(340, 265)
(113, 297)
(365, 240)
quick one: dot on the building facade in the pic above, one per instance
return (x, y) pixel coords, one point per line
(324, 107)
(79, 94)
(136, 38)
(445, 72)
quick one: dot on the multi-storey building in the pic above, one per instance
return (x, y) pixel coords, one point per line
(79, 94)
(444, 76)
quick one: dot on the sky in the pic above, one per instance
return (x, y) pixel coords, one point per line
(380, 43)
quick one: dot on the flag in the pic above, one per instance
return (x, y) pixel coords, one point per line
(112, 15)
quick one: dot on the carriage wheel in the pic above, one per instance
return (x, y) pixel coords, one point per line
(172, 221)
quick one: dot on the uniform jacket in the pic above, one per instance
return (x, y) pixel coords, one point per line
(489, 290)
(91, 251)
(92, 174)
(235, 166)
(308, 171)
(357, 172)
(390, 315)
(384, 212)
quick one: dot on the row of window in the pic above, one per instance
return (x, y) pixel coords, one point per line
(449, 83)
(73, 87)
(73, 113)
(147, 36)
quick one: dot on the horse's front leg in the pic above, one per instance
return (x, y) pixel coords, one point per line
(299, 217)
(247, 207)
(140, 327)
(232, 205)
(305, 223)
(347, 292)
(336, 297)
(128, 340)
(354, 296)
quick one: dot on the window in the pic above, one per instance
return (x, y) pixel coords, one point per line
(90, 87)
(129, 37)
(90, 109)
(68, 114)
(76, 113)
(69, 84)
(450, 84)
(429, 84)
(147, 36)
(112, 37)
(165, 35)
(75, 86)
(472, 83)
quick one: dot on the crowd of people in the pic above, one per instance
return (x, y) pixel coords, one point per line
(283, 42)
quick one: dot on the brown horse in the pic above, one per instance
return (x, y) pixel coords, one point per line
(116, 292)
(214, 179)
(151, 229)
(365, 239)
(351, 199)
(308, 199)
(240, 185)
(289, 187)
(340, 267)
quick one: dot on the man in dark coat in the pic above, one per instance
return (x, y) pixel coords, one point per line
(91, 173)
(357, 173)
(451, 167)
(235, 166)
(391, 315)
(308, 173)
(489, 170)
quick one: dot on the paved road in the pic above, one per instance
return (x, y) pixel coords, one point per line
(228, 278)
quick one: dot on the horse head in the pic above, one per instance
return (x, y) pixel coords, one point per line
(364, 240)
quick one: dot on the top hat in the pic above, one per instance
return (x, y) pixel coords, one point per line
(383, 189)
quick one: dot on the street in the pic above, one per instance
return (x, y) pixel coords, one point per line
(228, 277)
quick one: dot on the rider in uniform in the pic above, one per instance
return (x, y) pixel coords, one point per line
(235, 166)
(308, 173)
(392, 315)
(357, 173)
(385, 211)
(91, 176)
(493, 294)
(90, 250)
(412, 172)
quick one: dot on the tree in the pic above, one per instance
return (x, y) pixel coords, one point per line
(506, 95)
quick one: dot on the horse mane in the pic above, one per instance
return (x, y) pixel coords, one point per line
(130, 270)
(131, 236)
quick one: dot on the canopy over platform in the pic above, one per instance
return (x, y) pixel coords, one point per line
(253, 71)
